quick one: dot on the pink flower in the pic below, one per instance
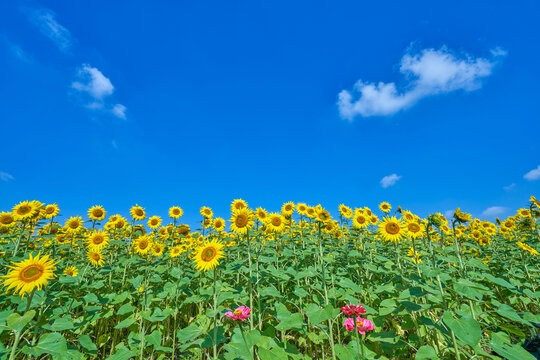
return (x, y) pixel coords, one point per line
(241, 313)
(362, 325)
(353, 310)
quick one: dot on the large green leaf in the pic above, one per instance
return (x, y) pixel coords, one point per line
(466, 328)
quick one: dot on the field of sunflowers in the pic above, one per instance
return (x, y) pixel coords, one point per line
(301, 283)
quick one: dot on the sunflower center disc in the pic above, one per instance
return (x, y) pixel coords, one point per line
(31, 273)
(392, 228)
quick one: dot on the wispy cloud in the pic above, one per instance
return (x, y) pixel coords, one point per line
(426, 73)
(114, 144)
(509, 187)
(532, 175)
(449, 214)
(4, 176)
(45, 20)
(390, 180)
(494, 211)
(94, 87)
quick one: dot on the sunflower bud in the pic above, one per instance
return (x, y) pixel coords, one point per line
(434, 220)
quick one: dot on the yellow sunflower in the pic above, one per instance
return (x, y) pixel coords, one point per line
(218, 224)
(323, 215)
(96, 258)
(6, 219)
(373, 219)
(97, 213)
(97, 240)
(527, 248)
(385, 207)
(287, 208)
(360, 220)
(535, 202)
(461, 216)
(524, 212)
(345, 211)
(392, 229)
(176, 251)
(275, 222)
(262, 214)
(206, 212)
(301, 208)
(311, 212)
(74, 224)
(414, 255)
(242, 221)
(71, 271)
(51, 211)
(414, 230)
(175, 212)
(29, 274)
(142, 244)
(183, 229)
(137, 213)
(238, 204)
(157, 249)
(25, 210)
(154, 222)
(207, 256)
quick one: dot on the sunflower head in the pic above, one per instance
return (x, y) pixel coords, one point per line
(97, 240)
(97, 213)
(462, 217)
(6, 219)
(51, 211)
(275, 222)
(71, 271)
(207, 256)
(238, 204)
(25, 210)
(241, 221)
(30, 274)
(142, 244)
(206, 212)
(218, 224)
(137, 213)
(154, 222)
(392, 229)
(262, 214)
(385, 207)
(74, 224)
(175, 212)
(96, 258)
(345, 211)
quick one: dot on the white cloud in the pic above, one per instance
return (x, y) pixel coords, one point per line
(389, 180)
(44, 20)
(494, 211)
(92, 81)
(429, 72)
(19, 53)
(119, 111)
(534, 174)
(4, 176)
(509, 187)
(449, 214)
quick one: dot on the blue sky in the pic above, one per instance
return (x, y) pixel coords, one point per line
(160, 103)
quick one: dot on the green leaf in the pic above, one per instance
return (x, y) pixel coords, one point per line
(189, 333)
(17, 322)
(154, 338)
(426, 352)
(87, 343)
(125, 309)
(509, 313)
(59, 324)
(466, 329)
(272, 354)
(125, 323)
(51, 343)
(501, 344)
(295, 321)
(122, 354)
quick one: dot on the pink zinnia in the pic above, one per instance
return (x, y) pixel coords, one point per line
(241, 313)
(353, 310)
(362, 325)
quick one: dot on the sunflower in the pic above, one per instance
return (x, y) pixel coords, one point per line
(360, 220)
(218, 224)
(97, 240)
(323, 215)
(183, 230)
(524, 212)
(176, 251)
(142, 244)
(25, 210)
(385, 207)
(527, 248)
(6, 219)
(373, 219)
(287, 208)
(175, 212)
(29, 274)
(392, 229)
(345, 211)
(461, 216)
(51, 211)
(74, 224)
(154, 222)
(414, 230)
(157, 249)
(301, 208)
(96, 257)
(71, 271)
(535, 202)
(311, 212)
(484, 241)
(97, 213)
(207, 256)
(275, 222)
(242, 221)
(508, 225)
(137, 213)
(238, 204)
(262, 214)
(206, 212)
(120, 223)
